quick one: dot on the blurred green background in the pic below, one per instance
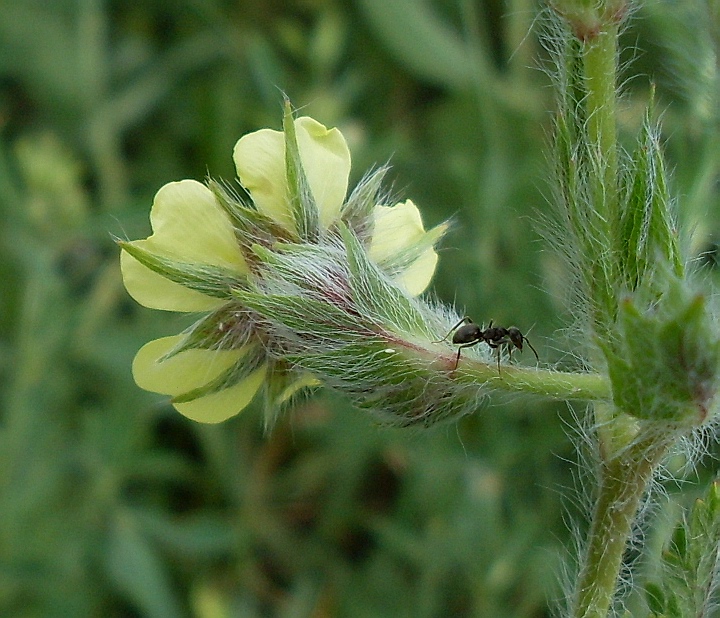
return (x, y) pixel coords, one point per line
(111, 503)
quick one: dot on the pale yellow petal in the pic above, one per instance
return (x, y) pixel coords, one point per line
(396, 228)
(224, 404)
(416, 277)
(260, 162)
(156, 292)
(183, 372)
(189, 226)
(193, 369)
(326, 159)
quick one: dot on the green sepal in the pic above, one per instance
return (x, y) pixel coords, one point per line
(281, 387)
(288, 263)
(305, 319)
(252, 360)
(358, 211)
(250, 225)
(401, 389)
(226, 328)
(209, 280)
(360, 358)
(302, 202)
(376, 296)
(664, 362)
(402, 260)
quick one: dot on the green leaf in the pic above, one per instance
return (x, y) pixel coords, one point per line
(647, 232)
(417, 36)
(690, 563)
(664, 362)
(655, 597)
(196, 535)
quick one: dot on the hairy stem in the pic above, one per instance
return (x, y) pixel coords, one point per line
(623, 483)
(600, 67)
(626, 469)
(553, 384)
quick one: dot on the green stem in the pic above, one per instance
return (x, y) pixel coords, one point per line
(548, 383)
(600, 67)
(560, 385)
(623, 483)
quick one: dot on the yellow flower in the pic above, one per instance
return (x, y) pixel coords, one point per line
(195, 257)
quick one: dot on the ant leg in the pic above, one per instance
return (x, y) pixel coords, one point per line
(460, 349)
(496, 347)
(457, 358)
(465, 320)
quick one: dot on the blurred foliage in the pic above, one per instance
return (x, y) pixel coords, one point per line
(111, 504)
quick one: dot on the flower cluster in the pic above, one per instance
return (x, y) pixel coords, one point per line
(281, 247)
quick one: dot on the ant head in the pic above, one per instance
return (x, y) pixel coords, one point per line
(516, 337)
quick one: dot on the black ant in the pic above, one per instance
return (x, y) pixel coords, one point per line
(467, 333)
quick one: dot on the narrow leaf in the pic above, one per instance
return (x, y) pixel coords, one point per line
(138, 572)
